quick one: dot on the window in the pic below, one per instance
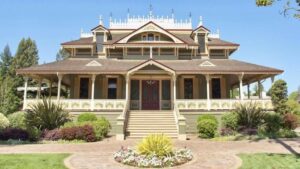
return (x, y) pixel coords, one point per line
(166, 93)
(112, 88)
(188, 88)
(150, 37)
(135, 90)
(201, 42)
(216, 88)
(156, 38)
(144, 38)
(84, 88)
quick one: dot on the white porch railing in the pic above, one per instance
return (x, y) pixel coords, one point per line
(220, 104)
(84, 104)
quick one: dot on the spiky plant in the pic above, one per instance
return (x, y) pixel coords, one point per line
(46, 115)
(156, 144)
(250, 115)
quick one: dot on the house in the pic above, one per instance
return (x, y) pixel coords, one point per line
(150, 74)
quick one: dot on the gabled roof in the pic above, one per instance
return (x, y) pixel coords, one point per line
(200, 27)
(220, 42)
(100, 27)
(151, 62)
(155, 28)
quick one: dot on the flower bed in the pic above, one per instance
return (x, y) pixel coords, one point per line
(130, 157)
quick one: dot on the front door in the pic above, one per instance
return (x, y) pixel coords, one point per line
(150, 95)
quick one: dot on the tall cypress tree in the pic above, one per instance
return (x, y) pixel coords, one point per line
(6, 59)
(62, 54)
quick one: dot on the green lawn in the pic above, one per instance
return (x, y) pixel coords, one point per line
(32, 161)
(270, 161)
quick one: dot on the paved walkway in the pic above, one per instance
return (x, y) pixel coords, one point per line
(207, 154)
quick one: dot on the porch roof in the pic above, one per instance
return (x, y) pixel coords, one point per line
(102, 66)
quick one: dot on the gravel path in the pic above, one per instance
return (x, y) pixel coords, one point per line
(207, 154)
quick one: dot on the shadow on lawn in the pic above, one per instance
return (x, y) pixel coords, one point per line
(288, 147)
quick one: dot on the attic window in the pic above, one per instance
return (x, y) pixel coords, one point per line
(207, 64)
(150, 37)
(93, 63)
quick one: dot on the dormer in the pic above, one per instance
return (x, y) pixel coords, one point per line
(100, 35)
(200, 36)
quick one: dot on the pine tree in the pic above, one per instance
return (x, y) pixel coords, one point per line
(6, 59)
(62, 54)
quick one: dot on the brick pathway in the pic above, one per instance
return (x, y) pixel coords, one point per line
(208, 154)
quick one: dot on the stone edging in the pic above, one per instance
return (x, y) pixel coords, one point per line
(67, 162)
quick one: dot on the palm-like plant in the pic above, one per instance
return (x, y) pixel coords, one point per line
(46, 115)
(156, 144)
(250, 115)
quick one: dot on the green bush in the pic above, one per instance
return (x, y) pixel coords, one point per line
(286, 133)
(46, 115)
(17, 120)
(4, 122)
(34, 133)
(100, 126)
(156, 144)
(249, 115)
(207, 126)
(279, 96)
(86, 117)
(230, 120)
(272, 123)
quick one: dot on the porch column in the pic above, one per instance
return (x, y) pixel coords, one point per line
(93, 92)
(50, 88)
(38, 96)
(241, 87)
(259, 89)
(25, 93)
(272, 79)
(208, 91)
(127, 87)
(151, 57)
(60, 76)
(248, 90)
(174, 90)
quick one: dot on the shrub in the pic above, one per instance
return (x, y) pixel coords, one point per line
(85, 132)
(207, 128)
(156, 144)
(207, 116)
(14, 133)
(86, 117)
(249, 115)
(52, 135)
(46, 115)
(279, 96)
(272, 123)
(286, 133)
(17, 120)
(4, 122)
(227, 132)
(230, 120)
(290, 121)
(34, 133)
(101, 126)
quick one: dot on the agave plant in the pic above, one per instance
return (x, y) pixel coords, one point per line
(250, 115)
(156, 144)
(46, 115)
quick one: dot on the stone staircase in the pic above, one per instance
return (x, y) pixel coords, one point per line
(144, 122)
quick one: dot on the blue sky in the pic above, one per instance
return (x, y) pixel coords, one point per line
(265, 36)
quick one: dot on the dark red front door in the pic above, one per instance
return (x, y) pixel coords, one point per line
(150, 95)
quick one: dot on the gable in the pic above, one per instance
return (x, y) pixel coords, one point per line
(150, 27)
(93, 63)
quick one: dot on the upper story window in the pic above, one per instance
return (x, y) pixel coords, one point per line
(150, 37)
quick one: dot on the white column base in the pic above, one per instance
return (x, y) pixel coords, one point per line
(120, 137)
(182, 137)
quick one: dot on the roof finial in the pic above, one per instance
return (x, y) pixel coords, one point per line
(100, 20)
(218, 32)
(200, 21)
(172, 13)
(81, 30)
(150, 10)
(190, 16)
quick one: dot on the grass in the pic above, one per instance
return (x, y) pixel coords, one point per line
(270, 161)
(32, 161)
(238, 137)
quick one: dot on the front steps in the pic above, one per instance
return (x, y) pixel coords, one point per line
(144, 122)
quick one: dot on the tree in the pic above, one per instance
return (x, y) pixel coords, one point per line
(290, 6)
(6, 59)
(62, 54)
(279, 96)
(257, 90)
(9, 100)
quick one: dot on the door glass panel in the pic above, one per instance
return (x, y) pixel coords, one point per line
(166, 94)
(188, 88)
(84, 88)
(135, 90)
(216, 88)
(112, 88)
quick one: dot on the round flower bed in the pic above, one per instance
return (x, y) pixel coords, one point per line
(130, 157)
